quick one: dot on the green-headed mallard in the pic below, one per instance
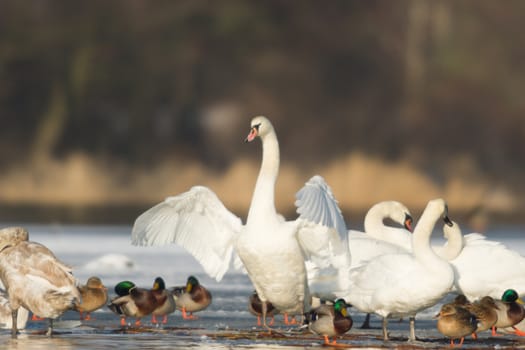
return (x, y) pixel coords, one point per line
(455, 321)
(133, 301)
(485, 312)
(191, 298)
(255, 308)
(166, 300)
(34, 278)
(94, 296)
(330, 320)
(510, 312)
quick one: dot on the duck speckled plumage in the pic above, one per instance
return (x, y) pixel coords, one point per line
(455, 322)
(94, 296)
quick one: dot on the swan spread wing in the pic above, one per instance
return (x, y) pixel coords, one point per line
(196, 220)
(322, 235)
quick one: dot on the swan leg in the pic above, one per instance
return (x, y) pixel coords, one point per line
(50, 328)
(264, 312)
(412, 322)
(366, 322)
(14, 327)
(385, 332)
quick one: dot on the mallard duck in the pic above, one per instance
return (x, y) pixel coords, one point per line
(485, 312)
(198, 221)
(34, 278)
(133, 301)
(510, 312)
(455, 321)
(94, 296)
(330, 320)
(255, 308)
(166, 300)
(191, 298)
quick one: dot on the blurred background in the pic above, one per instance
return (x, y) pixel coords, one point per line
(107, 107)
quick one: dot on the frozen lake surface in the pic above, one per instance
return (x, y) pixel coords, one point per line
(106, 251)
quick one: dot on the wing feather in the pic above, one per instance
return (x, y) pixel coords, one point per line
(323, 237)
(196, 220)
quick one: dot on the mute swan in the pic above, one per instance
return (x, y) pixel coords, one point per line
(483, 267)
(379, 239)
(399, 285)
(34, 278)
(192, 297)
(272, 251)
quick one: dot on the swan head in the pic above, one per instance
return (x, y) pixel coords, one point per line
(259, 126)
(440, 205)
(401, 215)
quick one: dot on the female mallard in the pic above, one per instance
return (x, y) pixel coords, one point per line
(34, 278)
(485, 312)
(455, 321)
(166, 300)
(94, 296)
(510, 312)
(191, 298)
(330, 320)
(255, 308)
(133, 301)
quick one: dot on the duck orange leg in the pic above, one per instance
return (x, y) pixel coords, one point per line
(36, 318)
(186, 316)
(518, 332)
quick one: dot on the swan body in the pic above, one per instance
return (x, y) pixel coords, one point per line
(34, 278)
(483, 267)
(272, 251)
(94, 295)
(379, 239)
(399, 285)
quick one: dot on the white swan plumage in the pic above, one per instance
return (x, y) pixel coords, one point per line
(400, 285)
(378, 238)
(483, 267)
(273, 251)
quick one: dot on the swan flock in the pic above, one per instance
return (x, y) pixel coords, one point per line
(385, 270)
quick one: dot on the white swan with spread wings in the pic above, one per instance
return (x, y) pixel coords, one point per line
(272, 250)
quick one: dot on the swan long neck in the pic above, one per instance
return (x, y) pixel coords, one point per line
(375, 227)
(421, 236)
(263, 205)
(454, 245)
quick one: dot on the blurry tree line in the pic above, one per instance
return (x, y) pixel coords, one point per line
(140, 81)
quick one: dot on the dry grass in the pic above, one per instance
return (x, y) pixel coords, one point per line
(357, 181)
